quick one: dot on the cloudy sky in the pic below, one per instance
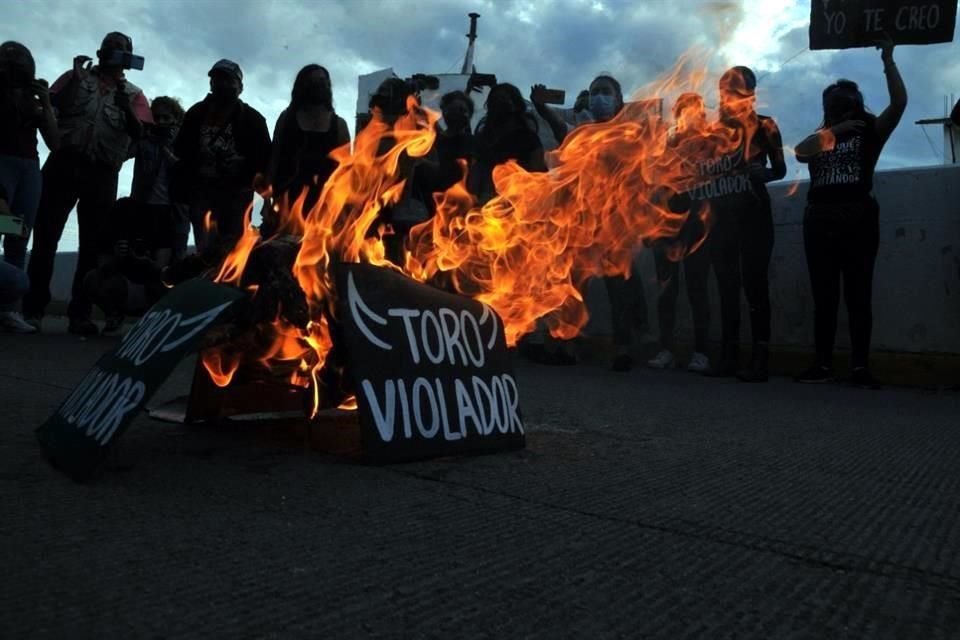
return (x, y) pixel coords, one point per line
(561, 43)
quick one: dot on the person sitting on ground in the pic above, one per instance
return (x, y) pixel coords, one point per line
(153, 165)
(24, 108)
(222, 147)
(128, 279)
(100, 113)
(305, 134)
(841, 227)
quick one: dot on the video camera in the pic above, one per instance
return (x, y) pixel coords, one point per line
(120, 58)
(423, 82)
(478, 80)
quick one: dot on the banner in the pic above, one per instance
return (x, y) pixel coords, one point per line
(76, 438)
(432, 372)
(843, 24)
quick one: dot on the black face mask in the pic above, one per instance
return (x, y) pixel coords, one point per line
(15, 76)
(317, 93)
(456, 121)
(224, 93)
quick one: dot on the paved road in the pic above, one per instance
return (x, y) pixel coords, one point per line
(647, 505)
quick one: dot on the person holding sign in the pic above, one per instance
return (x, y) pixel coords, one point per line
(841, 227)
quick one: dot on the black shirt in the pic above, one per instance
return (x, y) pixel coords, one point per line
(845, 172)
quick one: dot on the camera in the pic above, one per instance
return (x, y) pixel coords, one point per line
(120, 58)
(422, 82)
(481, 80)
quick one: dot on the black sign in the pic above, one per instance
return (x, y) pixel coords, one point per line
(76, 438)
(432, 372)
(843, 24)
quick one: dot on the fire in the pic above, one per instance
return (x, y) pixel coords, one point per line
(526, 253)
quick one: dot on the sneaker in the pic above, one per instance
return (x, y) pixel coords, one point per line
(82, 327)
(34, 321)
(13, 322)
(817, 374)
(861, 377)
(663, 360)
(623, 362)
(113, 325)
(699, 363)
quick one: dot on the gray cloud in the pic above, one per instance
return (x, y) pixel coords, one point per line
(562, 43)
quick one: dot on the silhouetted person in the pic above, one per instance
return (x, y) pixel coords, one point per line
(222, 146)
(507, 132)
(305, 134)
(100, 114)
(689, 248)
(628, 305)
(13, 280)
(389, 104)
(153, 166)
(841, 228)
(742, 232)
(454, 140)
(24, 108)
(133, 252)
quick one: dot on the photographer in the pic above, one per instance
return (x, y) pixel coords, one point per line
(132, 256)
(223, 146)
(24, 108)
(100, 114)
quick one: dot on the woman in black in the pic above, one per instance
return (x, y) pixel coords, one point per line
(841, 229)
(742, 232)
(305, 134)
(507, 132)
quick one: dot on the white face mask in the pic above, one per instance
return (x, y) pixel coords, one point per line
(603, 107)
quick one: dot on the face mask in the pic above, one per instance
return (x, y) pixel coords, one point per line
(456, 121)
(316, 93)
(603, 107)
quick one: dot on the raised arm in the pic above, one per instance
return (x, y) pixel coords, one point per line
(778, 166)
(552, 118)
(890, 118)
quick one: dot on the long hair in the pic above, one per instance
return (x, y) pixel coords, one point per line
(518, 109)
(298, 93)
(841, 99)
(17, 71)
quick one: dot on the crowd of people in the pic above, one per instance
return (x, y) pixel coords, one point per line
(199, 170)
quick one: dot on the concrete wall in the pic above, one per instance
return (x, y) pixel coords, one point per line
(916, 288)
(917, 281)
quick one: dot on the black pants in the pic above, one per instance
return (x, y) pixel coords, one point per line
(841, 241)
(741, 244)
(69, 179)
(696, 271)
(628, 307)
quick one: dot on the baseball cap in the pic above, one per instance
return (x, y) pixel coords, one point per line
(227, 66)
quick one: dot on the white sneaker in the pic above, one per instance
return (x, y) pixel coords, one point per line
(663, 360)
(13, 322)
(699, 363)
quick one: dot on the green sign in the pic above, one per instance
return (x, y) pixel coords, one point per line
(77, 437)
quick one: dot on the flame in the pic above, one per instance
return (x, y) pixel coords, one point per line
(221, 364)
(526, 253)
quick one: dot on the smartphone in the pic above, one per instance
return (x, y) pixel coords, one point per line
(119, 58)
(554, 96)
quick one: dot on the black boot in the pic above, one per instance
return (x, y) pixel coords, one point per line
(757, 371)
(729, 363)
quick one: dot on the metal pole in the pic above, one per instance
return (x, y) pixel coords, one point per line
(471, 37)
